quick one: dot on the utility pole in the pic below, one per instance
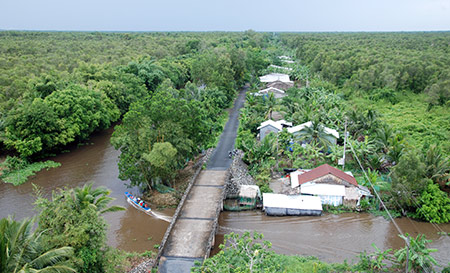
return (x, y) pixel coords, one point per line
(345, 142)
(407, 254)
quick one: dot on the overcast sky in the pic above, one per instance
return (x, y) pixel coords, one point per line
(227, 15)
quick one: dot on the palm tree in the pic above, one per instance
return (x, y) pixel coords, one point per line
(437, 165)
(21, 250)
(97, 198)
(316, 134)
(270, 103)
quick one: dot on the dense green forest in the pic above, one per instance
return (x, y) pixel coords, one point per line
(58, 88)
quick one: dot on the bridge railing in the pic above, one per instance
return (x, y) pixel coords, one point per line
(179, 207)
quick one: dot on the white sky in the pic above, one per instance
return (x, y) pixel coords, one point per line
(228, 15)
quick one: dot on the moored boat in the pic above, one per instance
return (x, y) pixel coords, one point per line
(133, 200)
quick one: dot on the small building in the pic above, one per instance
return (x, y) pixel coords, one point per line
(283, 57)
(322, 182)
(277, 93)
(334, 135)
(275, 77)
(270, 126)
(246, 199)
(291, 205)
(281, 85)
(280, 67)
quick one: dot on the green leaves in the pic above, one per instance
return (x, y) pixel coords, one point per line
(419, 255)
(242, 254)
(162, 159)
(23, 250)
(434, 205)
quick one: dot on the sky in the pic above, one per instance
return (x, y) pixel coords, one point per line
(227, 15)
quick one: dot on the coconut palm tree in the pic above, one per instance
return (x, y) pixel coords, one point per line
(437, 165)
(270, 103)
(97, 198)
(21, 250)
(315, 134)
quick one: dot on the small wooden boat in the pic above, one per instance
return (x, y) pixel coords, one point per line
(132, 200)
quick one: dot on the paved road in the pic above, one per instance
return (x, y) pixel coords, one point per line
(189, 240)
(220, 159)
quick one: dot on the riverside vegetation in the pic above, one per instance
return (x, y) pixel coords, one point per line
(397, 113)
(169, 90)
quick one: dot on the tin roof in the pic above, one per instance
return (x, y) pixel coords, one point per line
(303, 202)
(300, 127)
(324, 170)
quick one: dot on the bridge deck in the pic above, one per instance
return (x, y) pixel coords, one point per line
(189, 239)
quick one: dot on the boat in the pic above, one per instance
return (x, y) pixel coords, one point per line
(132, 200)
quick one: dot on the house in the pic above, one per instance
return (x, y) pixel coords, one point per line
(334, 135)
(281, 85)
(246, 199)
(270, 126)
(277, 93)
(291, 205)
(283, 57)
(329, 194)
(280, 67)
(275, 77)
(332, 185)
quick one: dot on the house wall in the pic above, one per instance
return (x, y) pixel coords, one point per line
(266, 130)
(333, 200)
(278, 95)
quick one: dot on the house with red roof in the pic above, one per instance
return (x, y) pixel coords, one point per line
(332, 185)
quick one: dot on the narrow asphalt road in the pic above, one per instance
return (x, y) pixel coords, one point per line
(220, 159)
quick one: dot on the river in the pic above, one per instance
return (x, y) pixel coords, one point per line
(333, 238)
(130, 230)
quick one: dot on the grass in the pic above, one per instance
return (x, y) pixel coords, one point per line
(411, 117)
(18, 177)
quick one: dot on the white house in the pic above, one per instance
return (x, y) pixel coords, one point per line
(275, 77)
(277, 93)
(269, 126)
(332, 185)
(296, 129)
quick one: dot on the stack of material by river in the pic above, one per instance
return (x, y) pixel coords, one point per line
(291, 205)
(247, 198)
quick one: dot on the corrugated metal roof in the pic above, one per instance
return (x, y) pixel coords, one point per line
(324, 170)
(274, 77)
(276, 124)
(300, 127)
(302, 202)
(272, 123)
(322, 189)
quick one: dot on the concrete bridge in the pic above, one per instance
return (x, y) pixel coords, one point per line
(191, 233)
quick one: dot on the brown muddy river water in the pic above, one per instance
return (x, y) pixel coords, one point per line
(131, 230)
(332, 238)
